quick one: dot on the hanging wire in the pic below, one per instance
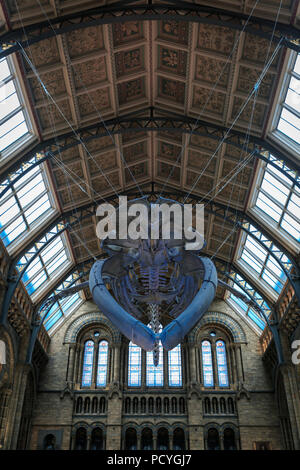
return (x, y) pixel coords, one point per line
(180, 154)
(60, 163)
(253, 91)
(95, 107)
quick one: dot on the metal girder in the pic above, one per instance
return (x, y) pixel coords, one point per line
(273, 325)
(17, 39)
(172, 123)
(43, 312)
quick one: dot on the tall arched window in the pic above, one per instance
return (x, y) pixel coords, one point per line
(222, 364)
(87, 371)
(102, 363)
(155, 374)
(174, 367)
(207, 364)
(134, 365)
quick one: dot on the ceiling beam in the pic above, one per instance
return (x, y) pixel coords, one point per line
(23, 37)
(170, 122)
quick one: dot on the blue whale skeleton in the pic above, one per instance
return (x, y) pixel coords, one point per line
(149, 282)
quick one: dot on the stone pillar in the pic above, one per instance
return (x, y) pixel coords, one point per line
(79, 362)
(116, 364)
(238, 363)
(192, 356)
(4, 409)
(232, 363)
(154, 441)
(70, 375)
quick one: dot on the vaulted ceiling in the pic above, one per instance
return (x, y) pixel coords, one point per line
(187, 74)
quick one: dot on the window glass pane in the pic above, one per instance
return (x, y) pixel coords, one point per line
(9, 105)
(154, 374)
(4, 70)
(288, 129)
(222, 364)
(269, 207)
(174, 364)
(291, 226)
(102, 364)
(207, 366)
(87, 371)
(134, 365)
(14, 131)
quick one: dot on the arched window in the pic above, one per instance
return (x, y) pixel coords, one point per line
(102, 363)
(49, 442)
(213, 440)
(174, 366)
(155, 374)
(162, 439)
(207, 364)
(229, 439)
(147, 439)
(97, 439)
(130, 439)
(178, 439)
(134, 365)
(222, 364)
(87, 371)
(214, 359)
(81, 439)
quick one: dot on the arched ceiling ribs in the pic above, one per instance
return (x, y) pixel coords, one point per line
(122, 125)
(228, 266)
(120, 13)
(238, 218)
(70, 219)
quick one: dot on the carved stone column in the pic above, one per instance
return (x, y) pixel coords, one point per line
(192, 356)
(70, 375)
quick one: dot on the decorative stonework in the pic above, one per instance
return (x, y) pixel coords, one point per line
(176, 31)
(211, 70)
(169, 151)
(54, 83)
(128, 62)
(172, 60)
(213, 103)
(168, 172)
(171, 89)
(131, 90)
(137, 171)
(216, 38)
(132, 153)
(220, 319)
(94, 102)
(89, 72)
(103, 162)
(49, 115)
(90, 39)
(88, 319)
(127, 32)
(200, 161)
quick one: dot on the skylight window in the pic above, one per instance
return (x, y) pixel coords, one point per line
(244, 308)
(50, 261)
(62, 308)
(23, 205)
(15, 127)
(262, 264)
(288, 120)
(278, 198)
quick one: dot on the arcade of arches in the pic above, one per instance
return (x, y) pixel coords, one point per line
(192, 105)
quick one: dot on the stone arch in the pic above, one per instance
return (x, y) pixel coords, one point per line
(88, 319)
(219, 319)
(7, 368)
